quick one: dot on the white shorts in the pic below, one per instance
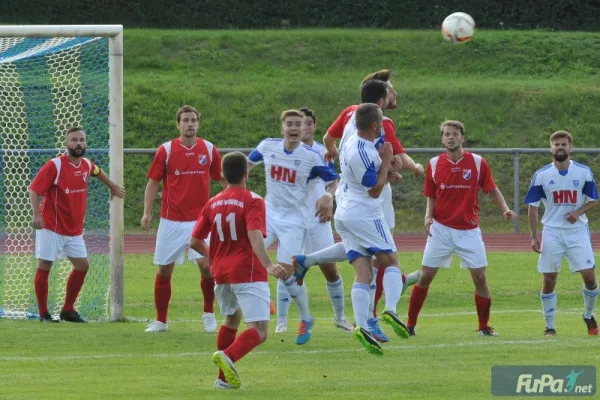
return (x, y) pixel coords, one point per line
(291, 239)
(50, 245)
(172, 240)
(365, 238)
(252, 298)
(319, 236)
(575, 243)
(387, 204)
(444, 242)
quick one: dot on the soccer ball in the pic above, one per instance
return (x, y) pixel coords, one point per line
(458, 27)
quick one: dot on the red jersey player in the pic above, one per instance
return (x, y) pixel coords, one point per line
(58, 220)
(185, 165)
(236, 219)
(452, 185)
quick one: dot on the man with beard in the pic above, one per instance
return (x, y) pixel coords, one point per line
(568, 191)
(58, 220)
(452, 185)
(185, 165)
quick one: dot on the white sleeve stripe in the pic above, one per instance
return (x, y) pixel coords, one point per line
(433, 162)
(167, 147)
(477, 159)
(57, 163)
(209, 148)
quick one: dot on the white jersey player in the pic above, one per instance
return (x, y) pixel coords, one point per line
(360, 222)
(568, 190)
(290, 166)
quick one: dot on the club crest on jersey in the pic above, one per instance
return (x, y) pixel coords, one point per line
(466, 174)
(297, 162)
(202, 159)
(575, 182)
(85, 177)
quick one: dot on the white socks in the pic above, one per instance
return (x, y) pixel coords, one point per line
(360, 304)
(392, 287)
(549, 308)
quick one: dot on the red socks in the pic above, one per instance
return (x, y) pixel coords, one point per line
(378, 288)
(225, 338)
(243, 344)
(208, 292)
(40, 283)
(162, 296)
(417, 298)
(483, 305)
(74, 285)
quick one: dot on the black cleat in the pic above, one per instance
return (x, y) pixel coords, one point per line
(71, 316)
(48, 318)
(592, 325)
(550, 332)
(411, 330)
(368, 341)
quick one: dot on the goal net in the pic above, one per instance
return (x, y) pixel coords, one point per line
(47, 85)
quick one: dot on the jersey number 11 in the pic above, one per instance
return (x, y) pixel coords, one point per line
(230, 218)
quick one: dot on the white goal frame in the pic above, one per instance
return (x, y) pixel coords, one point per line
(115, 35)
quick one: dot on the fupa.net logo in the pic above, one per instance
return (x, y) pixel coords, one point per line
(527, 383)
(549, 380)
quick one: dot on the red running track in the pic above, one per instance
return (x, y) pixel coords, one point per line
(141, 244)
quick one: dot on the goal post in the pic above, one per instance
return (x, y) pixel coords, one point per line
(53, 77)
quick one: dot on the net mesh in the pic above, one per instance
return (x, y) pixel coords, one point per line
(48, 85)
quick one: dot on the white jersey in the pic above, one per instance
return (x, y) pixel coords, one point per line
(359, 162)
(288, 175)
(317, 186)
(562, 192)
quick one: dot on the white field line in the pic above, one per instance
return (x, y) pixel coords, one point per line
(449, 314)
(491, 342)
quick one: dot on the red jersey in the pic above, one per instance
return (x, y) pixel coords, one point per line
(64, 188)
(228, 217)
(186, 173)
(455, 186)
(336, 130)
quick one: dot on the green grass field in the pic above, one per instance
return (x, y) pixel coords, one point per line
(447, 360)
(510, 88)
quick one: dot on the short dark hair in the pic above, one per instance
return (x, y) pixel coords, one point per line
(383, 75)
(234, 166)
(366, 115)
(309, 113)
(74, 129)
(373, 91)
(185, 109)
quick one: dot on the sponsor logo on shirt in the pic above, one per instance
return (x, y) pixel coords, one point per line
(442, 186)
(561, 197)
(178, 172)
(73, 191)
(283, 174)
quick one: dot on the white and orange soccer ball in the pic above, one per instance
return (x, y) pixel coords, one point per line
(458, 27)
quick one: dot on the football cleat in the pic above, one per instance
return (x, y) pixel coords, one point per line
(375, 330)
(411, 279)
(304, 331)
(226, 365)
(411, 330)
(592, 326)
(157, 326)
(368, 341)
(343, 324)
(299, 267)
(550, 332)
(48, 318)
(390, 318)
(487, 331)
(71, 316)
(210, 322)
(281, 327)
(221, 384)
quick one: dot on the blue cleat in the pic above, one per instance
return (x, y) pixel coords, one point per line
(304, 331)
(376, 332)
(299, 267)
